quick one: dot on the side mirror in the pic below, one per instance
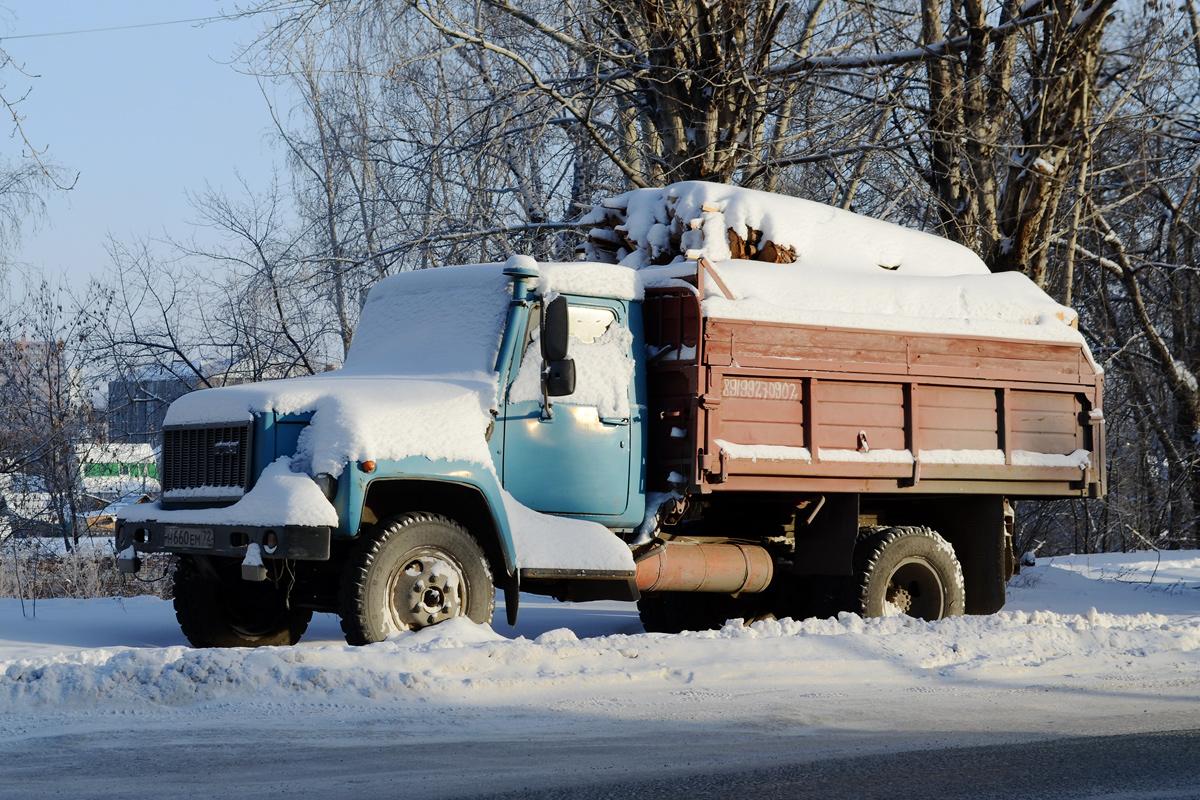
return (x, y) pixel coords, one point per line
(555, 329)
(560, 378)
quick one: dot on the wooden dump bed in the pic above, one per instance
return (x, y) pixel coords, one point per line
(760, 406)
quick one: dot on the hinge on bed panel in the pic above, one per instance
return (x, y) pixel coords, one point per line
(721, 473)
(906, 483)
(707, 462)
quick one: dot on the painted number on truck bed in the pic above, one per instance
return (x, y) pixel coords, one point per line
(760, 390)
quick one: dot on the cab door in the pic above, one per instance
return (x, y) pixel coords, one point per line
(573, 458)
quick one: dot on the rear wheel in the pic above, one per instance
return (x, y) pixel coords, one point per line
(411, 572)
(231, 612)
(909, 571)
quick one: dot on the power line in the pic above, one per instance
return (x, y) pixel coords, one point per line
(114, 28)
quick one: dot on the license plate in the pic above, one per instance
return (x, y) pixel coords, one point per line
(175, 536)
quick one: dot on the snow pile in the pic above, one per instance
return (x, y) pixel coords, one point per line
(785, 259)
(697, 219)
(462, 659)
(1148, 627)
(1165, 583)
(1006, 305)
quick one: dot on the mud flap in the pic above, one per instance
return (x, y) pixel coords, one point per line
(975, 526)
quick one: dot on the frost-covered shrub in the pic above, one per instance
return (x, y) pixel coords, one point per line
(35, 568)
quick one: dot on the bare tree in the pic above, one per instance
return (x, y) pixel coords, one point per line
(25, 183)
(45, 408)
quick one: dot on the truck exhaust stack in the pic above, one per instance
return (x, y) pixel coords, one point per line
(701, 567)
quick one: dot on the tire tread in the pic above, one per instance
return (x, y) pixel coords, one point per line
(352, 596)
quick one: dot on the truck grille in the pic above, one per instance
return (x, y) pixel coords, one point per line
(205, 462)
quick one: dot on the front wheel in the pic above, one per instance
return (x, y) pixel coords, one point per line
(222, 610)
(909, 571)
(411, 572)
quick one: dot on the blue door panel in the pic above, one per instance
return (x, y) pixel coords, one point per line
(570, 464)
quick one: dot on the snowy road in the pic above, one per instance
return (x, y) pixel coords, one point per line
(577, 696)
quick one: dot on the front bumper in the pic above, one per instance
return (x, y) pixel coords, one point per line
(291, 542)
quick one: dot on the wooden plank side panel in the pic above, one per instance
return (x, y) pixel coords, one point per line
(958, 418)
(1041, 361)
(761, 411)
(790, 346)
(778, 345)
(1045, 422)
(848, 407)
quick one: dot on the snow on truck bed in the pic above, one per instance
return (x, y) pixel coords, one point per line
(837, 269)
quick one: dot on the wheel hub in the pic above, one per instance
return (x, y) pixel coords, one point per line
(916, 590)
(899, 597)
(426, 591)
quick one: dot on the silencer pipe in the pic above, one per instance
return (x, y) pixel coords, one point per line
(702, 567)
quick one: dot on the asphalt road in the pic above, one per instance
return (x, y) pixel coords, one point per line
(1153, 765)
(395, 760)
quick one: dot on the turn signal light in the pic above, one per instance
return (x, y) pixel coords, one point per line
(367, 466)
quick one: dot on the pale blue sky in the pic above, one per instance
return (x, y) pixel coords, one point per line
(142, 114)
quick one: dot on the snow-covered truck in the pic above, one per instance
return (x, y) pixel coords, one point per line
(741, 405)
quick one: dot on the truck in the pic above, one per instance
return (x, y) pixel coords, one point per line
(711, 437)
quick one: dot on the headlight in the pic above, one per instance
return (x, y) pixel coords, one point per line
(327, 484)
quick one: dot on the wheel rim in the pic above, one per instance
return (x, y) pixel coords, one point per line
(428, 587)
(915, 589)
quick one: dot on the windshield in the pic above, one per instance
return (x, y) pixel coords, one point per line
(444, 322)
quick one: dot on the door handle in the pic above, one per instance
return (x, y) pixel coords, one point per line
(614, 420)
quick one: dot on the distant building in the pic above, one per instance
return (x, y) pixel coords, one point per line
(138, 405)
(114, 470)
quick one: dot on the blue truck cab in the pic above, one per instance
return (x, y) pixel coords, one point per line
(407, 487)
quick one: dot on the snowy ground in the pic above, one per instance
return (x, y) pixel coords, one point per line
(578, 695)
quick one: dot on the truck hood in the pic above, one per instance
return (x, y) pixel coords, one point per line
(361, 417)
